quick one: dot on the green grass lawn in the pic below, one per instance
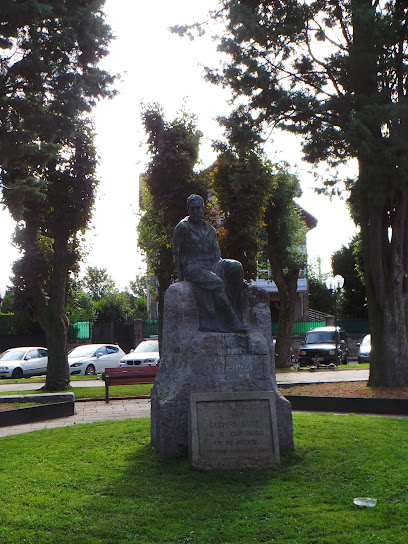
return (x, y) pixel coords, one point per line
(102, 483)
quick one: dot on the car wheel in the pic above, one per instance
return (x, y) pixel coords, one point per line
(90, 370)
(17, 373)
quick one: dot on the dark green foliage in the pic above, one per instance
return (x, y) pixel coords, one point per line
(168, 181)
(6, 305)
(139, 286)
(335, 73)
(12, 324)
(260, 221)
(170, 177)
(241, 185)
(97, 282)
(79, 305)
(120, 307)
(97, 299)
(49, 81)
(285, 227)
(353, 298)
(320, 298)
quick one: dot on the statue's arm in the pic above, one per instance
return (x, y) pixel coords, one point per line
(215, 247)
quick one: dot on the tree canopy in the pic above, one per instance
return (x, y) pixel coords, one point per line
(285, 249)
(347, 262)
(49, 81)
(335, 73)
(97, 282)
(241, 185)
(170, 178)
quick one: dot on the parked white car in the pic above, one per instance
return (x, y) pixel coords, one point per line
(146, 354)
(90, 359)
(23, 362)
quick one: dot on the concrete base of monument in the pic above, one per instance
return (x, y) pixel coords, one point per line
(193, 361)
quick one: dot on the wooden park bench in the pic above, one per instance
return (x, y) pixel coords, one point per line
(128, 375)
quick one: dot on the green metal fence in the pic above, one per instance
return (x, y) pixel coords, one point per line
(83, 329)
(299, 327)
(351, 326)
(80, 331)
(355, 326)
(150, 327)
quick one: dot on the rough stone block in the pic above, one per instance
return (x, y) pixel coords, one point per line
(192, 361)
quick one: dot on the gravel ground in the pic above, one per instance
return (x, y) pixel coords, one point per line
(347, 389)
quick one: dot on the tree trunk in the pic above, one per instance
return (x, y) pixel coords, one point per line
(286, 282)
(56, 323)
(58, 370)
(50, 311)
(383, 203)
(384, 231)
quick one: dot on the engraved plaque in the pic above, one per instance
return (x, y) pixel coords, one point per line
(233, 430)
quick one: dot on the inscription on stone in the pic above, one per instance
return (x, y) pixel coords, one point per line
(233, 430)
(241, 366)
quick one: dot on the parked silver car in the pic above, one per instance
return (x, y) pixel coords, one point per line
(90, 359)
(23, 362)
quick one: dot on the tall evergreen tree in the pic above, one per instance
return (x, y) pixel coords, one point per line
(170, 178)
(261, 218)
(49, 81)
(346, 262)
(240, 181)
(335, 72)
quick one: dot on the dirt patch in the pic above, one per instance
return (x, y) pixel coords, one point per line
(346, 389)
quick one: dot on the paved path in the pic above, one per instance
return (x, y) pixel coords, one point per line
(32, 383)
(87, 412)
(318, 376)
(91, 411)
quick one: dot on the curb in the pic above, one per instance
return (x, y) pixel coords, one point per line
(63, 407)
(349, 404)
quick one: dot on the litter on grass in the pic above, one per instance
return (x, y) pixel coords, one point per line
(365, 501)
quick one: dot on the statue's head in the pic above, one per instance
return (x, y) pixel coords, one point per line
(195, 207)
(196, 199)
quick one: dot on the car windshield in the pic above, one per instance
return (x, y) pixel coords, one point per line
(147, 346)
(13, 355)
(366, 340)
(320, 337)
(83, 351)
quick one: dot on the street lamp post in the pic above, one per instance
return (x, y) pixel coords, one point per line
(335, 285)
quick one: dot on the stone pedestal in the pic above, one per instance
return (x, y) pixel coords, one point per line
(192, 361)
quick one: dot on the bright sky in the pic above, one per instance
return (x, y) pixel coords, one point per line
(157, 66)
